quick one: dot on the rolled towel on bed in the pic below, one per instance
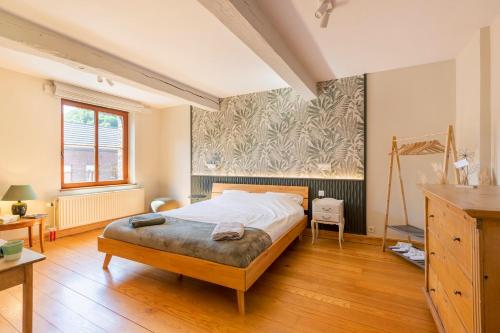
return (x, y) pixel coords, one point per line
(228, 231)
(146, 220)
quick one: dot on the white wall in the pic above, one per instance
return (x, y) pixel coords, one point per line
(148, 153)
(473, 114)
(495, 97)
(405, 102)
(29, 139)
(468, 96)
(176, 153)
(30, 143)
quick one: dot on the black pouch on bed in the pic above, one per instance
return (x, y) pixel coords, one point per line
(146, 220)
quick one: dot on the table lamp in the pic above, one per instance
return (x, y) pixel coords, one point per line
(18, 193)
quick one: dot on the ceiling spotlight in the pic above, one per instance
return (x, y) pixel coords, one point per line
(111, 83)
(99, 79)
(324, 11)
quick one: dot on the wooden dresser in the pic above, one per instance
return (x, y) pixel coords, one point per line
(462, 242)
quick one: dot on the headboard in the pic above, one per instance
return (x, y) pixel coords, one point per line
(218, 188)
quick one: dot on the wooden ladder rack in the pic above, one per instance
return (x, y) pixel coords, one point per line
(415, 148)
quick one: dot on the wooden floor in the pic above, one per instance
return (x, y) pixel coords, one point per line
(308, 289)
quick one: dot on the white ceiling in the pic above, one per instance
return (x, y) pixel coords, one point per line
(53, 70)
(366, 36)
(179, 39)
(182, 40)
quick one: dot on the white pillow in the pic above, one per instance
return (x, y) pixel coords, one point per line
(234, 192)
(295, 197)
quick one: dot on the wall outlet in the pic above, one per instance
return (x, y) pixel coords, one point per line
(321, 193)
(371, 229)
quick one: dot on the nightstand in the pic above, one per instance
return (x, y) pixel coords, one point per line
(327, 211)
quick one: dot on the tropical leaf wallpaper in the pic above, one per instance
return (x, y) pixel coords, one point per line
(277, 134)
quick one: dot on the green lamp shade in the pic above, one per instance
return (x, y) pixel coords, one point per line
(18, 193)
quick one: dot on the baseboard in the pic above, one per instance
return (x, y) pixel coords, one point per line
(355, 238)
(82, 228)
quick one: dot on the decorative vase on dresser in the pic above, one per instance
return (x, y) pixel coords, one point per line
(462, 273)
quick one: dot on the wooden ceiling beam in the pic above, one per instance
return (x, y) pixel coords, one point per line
(245, 19)
(29, 37)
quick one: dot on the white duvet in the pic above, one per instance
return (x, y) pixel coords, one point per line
(273, 214)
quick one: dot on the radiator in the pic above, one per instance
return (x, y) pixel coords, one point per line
(78, 210)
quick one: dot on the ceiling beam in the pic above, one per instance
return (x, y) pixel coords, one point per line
(29, 37)
(245, 19)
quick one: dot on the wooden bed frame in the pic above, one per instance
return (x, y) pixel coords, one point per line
(240, 279)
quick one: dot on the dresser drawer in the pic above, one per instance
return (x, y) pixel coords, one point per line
(435, 290)
(460, 293)
(436, 254)
(460, 231)
(325, 216)
(457, 286)
(454, 231)
(327, 209)
(433, 214)
(443, 306)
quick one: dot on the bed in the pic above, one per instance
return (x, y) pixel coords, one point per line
(281, 220)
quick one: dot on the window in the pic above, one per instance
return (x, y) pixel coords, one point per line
(94, 145)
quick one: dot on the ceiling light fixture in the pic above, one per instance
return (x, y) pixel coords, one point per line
(324, 11)
(111, 83)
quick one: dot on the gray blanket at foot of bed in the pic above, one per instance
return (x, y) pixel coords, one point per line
(192, 239)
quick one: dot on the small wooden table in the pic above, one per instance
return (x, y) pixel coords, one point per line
(13, 273)
(27, 223)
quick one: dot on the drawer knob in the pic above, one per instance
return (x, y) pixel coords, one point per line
(432, 290)
(456, 239)
(458, 292)
(433, 253)
(431, 216)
